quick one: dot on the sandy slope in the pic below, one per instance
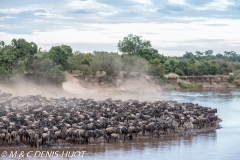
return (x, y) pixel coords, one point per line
(129, 90)
(72, 88)
(23, 87)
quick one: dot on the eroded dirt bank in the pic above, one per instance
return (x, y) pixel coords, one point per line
(75, 87)
(207, 81)
(100, 87)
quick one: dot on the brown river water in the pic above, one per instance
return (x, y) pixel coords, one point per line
(220, 144)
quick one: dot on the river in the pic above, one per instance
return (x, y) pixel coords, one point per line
(220, 144)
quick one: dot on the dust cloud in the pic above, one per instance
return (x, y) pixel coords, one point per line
(130, 89)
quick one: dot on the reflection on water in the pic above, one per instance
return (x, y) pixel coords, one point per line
(220, 144)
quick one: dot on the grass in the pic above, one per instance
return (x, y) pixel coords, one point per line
(237, 83)
(187, 85)
(226, 84)
(172, 87)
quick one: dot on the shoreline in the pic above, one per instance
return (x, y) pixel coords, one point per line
(74, 87)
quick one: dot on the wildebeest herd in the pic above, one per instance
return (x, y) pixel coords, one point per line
(39, 121)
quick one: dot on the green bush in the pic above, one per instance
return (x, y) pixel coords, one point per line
(187, 85)
(231, 78)
(111, 63)
(133, 63)
(156, 68)
(59, 55)
(179, 72)
(44, 70)
(81, 62)
(172, 86)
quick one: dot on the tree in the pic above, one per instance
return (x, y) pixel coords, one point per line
(13, 57)
(212, 69)
(192, 61)
(171, 66)
(134, 63)
(60, 54)
(150, 54)
(179, 72)
(157, 68)
(198, 53)
(22, 49)
(219, 55)
(233, 56)
(81, 62)
(184, 67)
(231, 78)
(108, 62)
(2, 44)
(67, 49)
(227, 53)
(131, 44)
(188, 55)
(208, 53)
(44, 70)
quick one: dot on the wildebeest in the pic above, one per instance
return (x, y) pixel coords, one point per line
(39, 121)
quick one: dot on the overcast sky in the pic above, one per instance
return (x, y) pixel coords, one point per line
(172, 26)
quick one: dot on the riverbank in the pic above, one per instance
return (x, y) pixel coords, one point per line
(205, 81)
(124, 86)
(74, 87)
(133, 88)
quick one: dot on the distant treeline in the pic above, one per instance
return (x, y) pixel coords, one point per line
(137, 55)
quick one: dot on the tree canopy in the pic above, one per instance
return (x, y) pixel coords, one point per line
(60, 54)
(14, 56)
(20, 57)
(131, 44)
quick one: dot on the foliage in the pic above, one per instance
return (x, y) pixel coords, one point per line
(44, 70)
(14, 56)
(157, 69)
(134, 63)
(138, 55)
(55, 75)
(131, 44)
(237, 83)
(226, 84)
(231, 78)
(212, 69)
(150, 54)
(81, 62)
(172, 86)
(59, 55)
(188, 85)
(237, 73)
(22, 49)
(188, 55)
(22, 57)
(67, 49)
(179, 72)
(108, 62)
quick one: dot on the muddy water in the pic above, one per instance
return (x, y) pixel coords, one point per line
(219, 144)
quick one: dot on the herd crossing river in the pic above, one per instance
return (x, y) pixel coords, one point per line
(39, 121)
(161, 141)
